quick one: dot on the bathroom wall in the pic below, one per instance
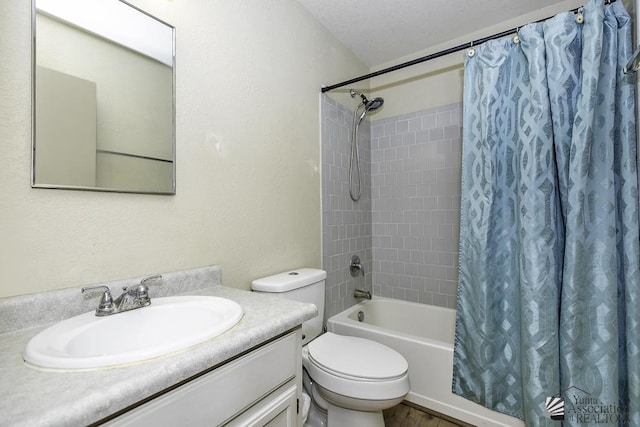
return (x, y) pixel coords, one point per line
(346, 225)
(248, 156)
(415, 191)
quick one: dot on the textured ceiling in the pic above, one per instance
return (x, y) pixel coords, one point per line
(380, 31)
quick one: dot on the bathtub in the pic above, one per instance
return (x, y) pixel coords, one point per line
(423, 334)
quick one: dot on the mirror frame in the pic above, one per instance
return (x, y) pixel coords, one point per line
(33, 113)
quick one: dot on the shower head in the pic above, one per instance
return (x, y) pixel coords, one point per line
(354, 163)
(369, 105)
(374, 104)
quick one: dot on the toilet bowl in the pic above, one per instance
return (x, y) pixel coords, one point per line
(353, 378)
(358, 378)
(317, 415)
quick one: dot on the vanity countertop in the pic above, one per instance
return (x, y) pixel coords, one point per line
(33, 397)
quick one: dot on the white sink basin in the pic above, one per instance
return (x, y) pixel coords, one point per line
(167, 325)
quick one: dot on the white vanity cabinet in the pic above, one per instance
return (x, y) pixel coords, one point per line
(259, 388)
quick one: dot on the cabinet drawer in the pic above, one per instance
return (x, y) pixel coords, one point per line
(221, 394)
(279, 409)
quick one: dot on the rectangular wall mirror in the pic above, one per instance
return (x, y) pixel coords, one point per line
(103, 98)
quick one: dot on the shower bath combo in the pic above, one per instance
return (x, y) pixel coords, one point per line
(354, 163)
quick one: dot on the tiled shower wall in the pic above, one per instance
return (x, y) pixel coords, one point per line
(405, 227)
(415, 168)
(346, 225)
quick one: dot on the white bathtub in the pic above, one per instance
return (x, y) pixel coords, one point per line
(423, 334)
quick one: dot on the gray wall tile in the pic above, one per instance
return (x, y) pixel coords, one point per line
(346, 224)
(406, 226)
(416, 206)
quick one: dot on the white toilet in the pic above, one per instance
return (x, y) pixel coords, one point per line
(352, 378)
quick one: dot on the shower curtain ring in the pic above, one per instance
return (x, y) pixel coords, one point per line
(516, 38)
(580, 16)
(471, 51)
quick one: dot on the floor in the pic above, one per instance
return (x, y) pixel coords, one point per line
(408, 415)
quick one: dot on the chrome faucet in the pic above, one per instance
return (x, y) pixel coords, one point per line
(130, 298)
(356, 266)
(359, 293)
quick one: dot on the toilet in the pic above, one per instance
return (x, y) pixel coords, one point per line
(351, 379)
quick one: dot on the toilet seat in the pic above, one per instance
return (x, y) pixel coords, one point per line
(357, 367)
(357, 358)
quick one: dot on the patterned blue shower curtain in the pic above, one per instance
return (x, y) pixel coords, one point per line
(549, 280)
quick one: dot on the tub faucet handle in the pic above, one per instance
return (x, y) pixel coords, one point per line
(356, 266)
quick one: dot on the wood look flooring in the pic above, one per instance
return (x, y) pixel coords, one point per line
(409, 415)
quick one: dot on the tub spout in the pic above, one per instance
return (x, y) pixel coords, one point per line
(359, 293)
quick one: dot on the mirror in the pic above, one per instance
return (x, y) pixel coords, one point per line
(103, 98)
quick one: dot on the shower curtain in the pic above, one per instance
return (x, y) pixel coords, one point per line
(548, 309)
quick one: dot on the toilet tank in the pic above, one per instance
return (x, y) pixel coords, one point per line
(303, 284)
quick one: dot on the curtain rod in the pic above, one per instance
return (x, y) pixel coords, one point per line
(436, 55)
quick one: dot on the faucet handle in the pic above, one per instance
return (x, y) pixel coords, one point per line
(106, 302)
(142, 291)
(147, 280)
(142, 295)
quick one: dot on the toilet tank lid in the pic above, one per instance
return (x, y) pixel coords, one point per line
(289, 280)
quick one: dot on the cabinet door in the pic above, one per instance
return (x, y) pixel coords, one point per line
(276, 410)
(220, 395)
